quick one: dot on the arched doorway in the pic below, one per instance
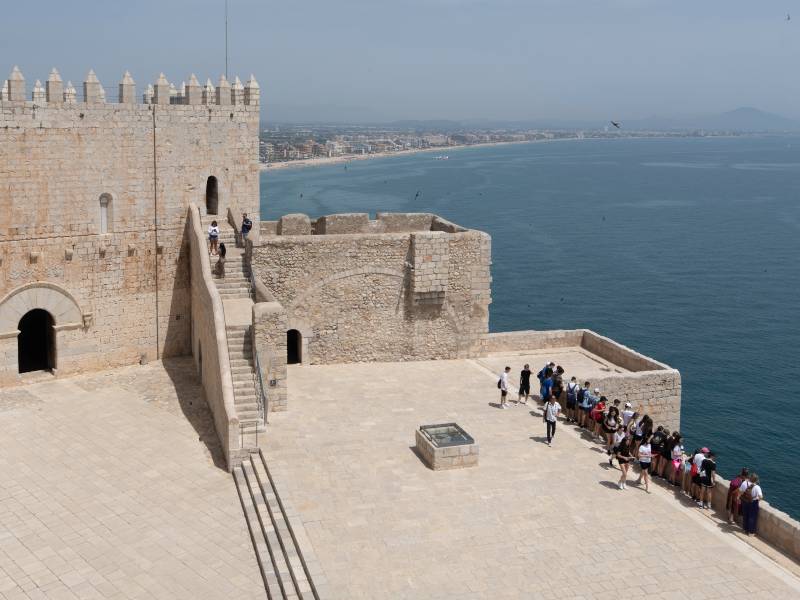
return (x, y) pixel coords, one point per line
(294, 347)
(36, 342)
(212, 196)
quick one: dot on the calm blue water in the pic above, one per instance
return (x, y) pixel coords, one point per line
(686, 250)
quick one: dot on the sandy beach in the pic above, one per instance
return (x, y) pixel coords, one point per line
(332, 160)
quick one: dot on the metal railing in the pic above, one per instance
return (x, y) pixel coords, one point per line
(262, 398)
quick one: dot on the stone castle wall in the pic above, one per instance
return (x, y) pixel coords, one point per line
(148, 162)
(372, 296)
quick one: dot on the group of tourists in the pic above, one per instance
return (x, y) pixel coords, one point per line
(217, 248)
(632, 439)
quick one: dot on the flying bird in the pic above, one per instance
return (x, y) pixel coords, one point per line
(417, 194)
(788, 17)
(615, 124)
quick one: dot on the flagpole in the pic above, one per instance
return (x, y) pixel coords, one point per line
(226, 39)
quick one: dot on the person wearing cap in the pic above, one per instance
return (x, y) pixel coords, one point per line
(697, 460)
(708, 469)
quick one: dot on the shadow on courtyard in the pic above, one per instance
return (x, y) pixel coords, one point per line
(193, 405)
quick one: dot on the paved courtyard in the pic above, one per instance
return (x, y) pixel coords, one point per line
(108, 489)
(531, 521)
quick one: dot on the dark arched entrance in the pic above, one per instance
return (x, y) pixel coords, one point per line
(36, 342)
(294, 347)
(212, 196)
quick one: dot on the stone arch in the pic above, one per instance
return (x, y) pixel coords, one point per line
(315, 287)
(36, 342)
(57, 301)
(212, 195)
(106, 207)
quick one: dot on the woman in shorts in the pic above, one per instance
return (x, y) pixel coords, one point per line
(619, 436)
(708, 470)
(645, 456)
(213, 237)
(676, 458)
(610, 424)
(597, 415)
(623, 455)
(642, 429)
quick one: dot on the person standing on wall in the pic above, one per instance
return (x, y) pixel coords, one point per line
(524, 384)
(502, 385)
(247, 225)
(213, 237)
(551, 411)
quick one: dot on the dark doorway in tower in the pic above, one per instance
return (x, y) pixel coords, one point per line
(212, 196)
(36, 342)
(294, 349)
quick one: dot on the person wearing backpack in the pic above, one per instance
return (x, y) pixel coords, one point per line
(586, 401)
(572, 400)
(502, 385)
(751, 494)
(733, 501)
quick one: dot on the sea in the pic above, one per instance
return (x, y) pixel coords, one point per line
(685, 249)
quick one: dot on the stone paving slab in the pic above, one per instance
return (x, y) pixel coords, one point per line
(531, 521)
(109, 489)
(576, 361)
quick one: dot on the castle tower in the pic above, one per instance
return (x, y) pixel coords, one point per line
(252, 91)
(54, 88)
(223, 91)
(192, 94)
(38, 95)
(237, 92)
(70, 94)
(92, 90)
(161, 93)
(16, 86)
(127, 89)
(208, 92)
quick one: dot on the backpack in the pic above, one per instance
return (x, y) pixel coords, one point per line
(540, 376)
(571, 395)
(499, 386)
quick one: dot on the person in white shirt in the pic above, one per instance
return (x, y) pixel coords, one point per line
(213, 237)
(627, 414)
(503, 385)
(551, 411)
(645, 455)
(751, 495)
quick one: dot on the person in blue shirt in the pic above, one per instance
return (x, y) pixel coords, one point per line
(587, 402)
(247, 225)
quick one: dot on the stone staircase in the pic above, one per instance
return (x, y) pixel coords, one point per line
(240, 351)
(287, 573)
(236, 286)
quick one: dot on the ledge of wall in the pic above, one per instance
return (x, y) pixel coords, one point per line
(209, 344)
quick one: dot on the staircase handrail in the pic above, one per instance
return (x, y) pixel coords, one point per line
(262, 398)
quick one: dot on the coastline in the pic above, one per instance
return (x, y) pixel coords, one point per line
(333, 160)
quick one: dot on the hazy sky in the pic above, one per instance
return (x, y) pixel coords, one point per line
(389, 59)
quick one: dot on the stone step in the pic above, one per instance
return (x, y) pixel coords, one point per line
(289, 541)
(243, 370)
(248, 354)
(235, 295)
(241, 362)
(265, 565)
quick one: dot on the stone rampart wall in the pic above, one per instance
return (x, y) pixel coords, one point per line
(653, 387)
(209, 344)
(351, 295)
(148, 162)
(352, 223)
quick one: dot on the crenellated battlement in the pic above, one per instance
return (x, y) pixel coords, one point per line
(161, 92)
